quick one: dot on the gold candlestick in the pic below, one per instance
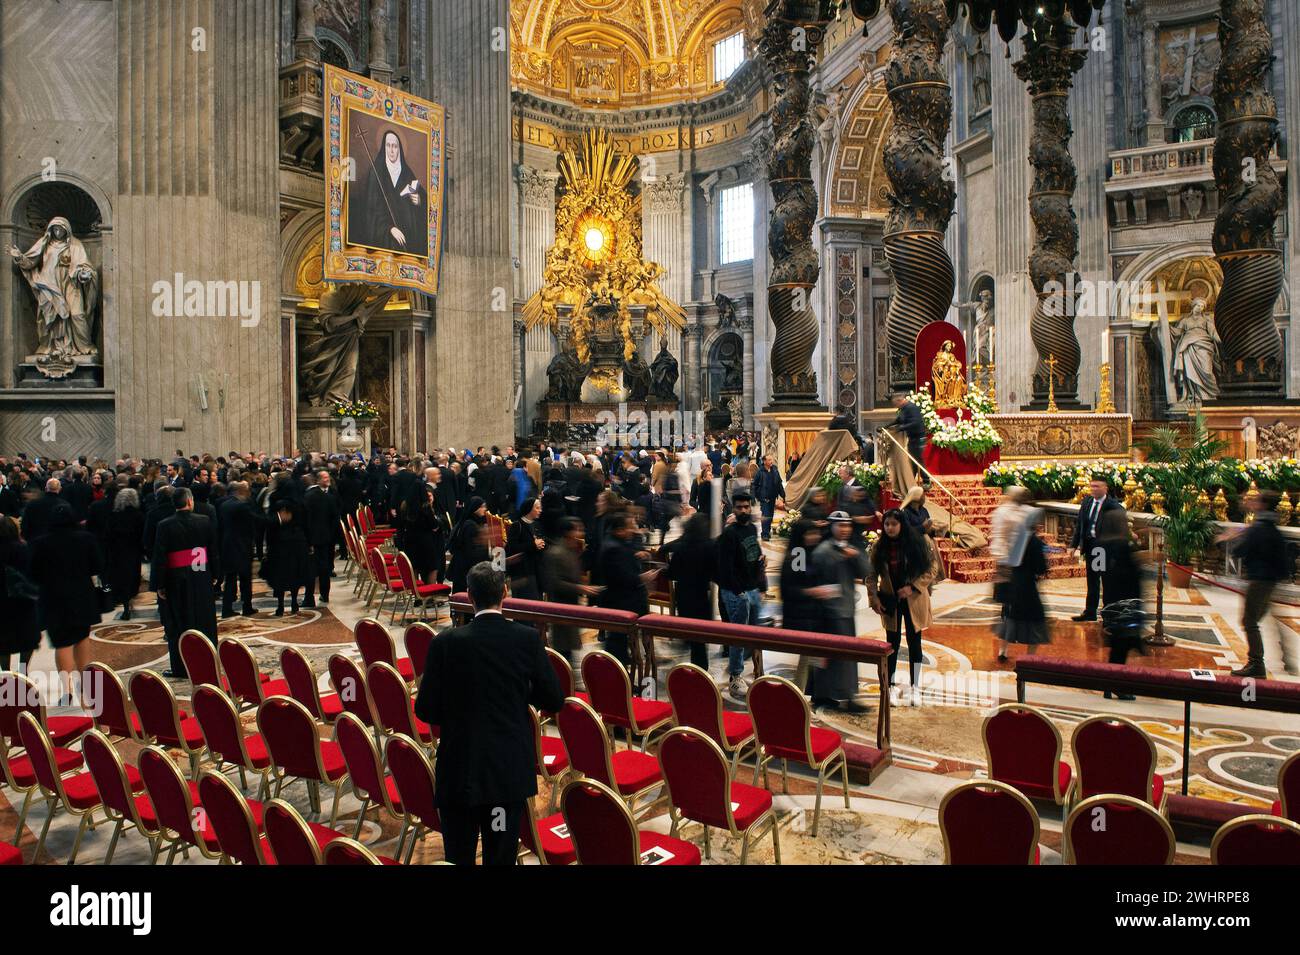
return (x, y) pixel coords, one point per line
(1105, 404)
(992, 389)
(1051, 385)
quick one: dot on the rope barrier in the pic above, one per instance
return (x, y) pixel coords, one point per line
(1232, 590)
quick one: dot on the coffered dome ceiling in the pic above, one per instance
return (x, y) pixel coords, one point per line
(620, 53)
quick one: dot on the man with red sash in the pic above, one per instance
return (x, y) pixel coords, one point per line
(182, 573)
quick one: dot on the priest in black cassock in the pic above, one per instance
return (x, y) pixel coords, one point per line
(182, 572)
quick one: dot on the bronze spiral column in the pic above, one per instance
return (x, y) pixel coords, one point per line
(1249, 200)
(1048, 67)
(791, 35)
(921, 193)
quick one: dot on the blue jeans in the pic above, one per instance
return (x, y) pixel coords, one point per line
(741, 608)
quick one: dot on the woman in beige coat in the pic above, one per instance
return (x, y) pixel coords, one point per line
(900, 569)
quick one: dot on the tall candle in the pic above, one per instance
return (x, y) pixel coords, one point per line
(1105, 345)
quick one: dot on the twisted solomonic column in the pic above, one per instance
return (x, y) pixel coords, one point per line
(1249, 200)
(791, 35)
(921, 193)
(1048, 67)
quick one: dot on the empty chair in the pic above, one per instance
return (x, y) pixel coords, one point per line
(350, 687)
(297, 752)
(1113, 755)
(347, 851)
(20, 776)
(610, 693)
(415, 592)
(376, 646)
(416, 639)
(390, 701)
(122, 806)
(114, 717)
(629, 773)
(985, 822)
(1288, 789)
(290, 839)
(231, 818)
(783, 726)
(1117, 830)
(366, 772)
(162, 721)
(18, 694)
(697, 703)
(1023, 748)
(547, 838)
(552, 758)
(1257, 839)
(174, 801)
(387, 579)
(75, 795)
(604, 833)
(564, 675)
(700, 788)
(226, 740)
(301, 679)
(200, 659)
(246, 683)
(413, 775)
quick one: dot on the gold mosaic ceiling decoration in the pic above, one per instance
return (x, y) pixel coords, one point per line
(620, 53)
(595, 266)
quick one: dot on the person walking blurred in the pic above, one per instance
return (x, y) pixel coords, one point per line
(1260, 547)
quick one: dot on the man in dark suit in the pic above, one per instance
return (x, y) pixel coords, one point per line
(184, 566)
(909, 425)
(237, 526)
(322, 504)
(162, 509)
(1084, 542)
(478, 683)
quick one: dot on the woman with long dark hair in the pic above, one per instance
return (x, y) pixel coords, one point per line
(900, 569)
(469, 543)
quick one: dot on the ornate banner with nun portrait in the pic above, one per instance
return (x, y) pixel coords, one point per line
(384, 184)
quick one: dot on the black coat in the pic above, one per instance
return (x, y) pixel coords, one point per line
(524, 559)
(162, 510)
(36, 516)
(288, 563)
(322, 516)
(10, 504)
(466, 551)
(799, 611)
(1023, 601)
(692, 565)
(19, 632)
(185, 563)
(1080, 539)
(238, 528)
(620, 573)
(479, 681)
(123, 553)
(64, 564)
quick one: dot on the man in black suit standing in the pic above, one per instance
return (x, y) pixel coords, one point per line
(237, 523)
(1084, 542)
(322, 503)
(478, 683)
(182, 573)
(911, 424)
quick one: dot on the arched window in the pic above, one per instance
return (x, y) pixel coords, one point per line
(1192, 123)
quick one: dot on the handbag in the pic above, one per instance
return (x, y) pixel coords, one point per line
(106, 601)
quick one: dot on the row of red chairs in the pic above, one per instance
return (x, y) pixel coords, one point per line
(377, 572)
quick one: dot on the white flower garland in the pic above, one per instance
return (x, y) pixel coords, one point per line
(971, 436)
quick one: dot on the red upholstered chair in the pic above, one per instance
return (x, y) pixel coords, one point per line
(417, 640)
(700, 788)
(1288, 789)
(1114, 756)
(366, 516)
(366, 772)
(114, 716)
(297, 751)
(75, 794)
(290, 839)
(631, 774)
(376, 646)
(20, 775)
(120, 803)
(246, 683)
(175, 802)
(1117, 830)
(1257, 839)
(390, 701)
(611, 696)
(301, 679)
(698, 704)
(1023, 748)
(604, 833)
(227, 742)
(552, 758)
(985, 822)
(349, 685)
(162, 721)
(230, 816)
(200, 659)
(783, 725)
(387, 580)
(564, 675)
(551, 834)
(347, 851)
(9, 855)
(19, 695)
(413, 774)
(417, 592)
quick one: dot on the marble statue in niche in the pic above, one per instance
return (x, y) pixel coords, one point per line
(66, 287)
(636, 378)
(1195, 343)
(726, 311)
(664, 373)
(327, 366)
(565, 375)
(984, 324)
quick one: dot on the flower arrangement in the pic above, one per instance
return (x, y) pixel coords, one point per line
(972, 435)
(870, 476)
(786, 524)
(357, 408)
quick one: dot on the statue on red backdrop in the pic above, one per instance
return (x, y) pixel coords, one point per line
(948, 378)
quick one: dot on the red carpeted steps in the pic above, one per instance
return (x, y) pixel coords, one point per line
(975, 505)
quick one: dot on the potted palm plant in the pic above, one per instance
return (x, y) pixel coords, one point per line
(1193, 461)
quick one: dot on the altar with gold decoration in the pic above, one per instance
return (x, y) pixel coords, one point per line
(960, 437)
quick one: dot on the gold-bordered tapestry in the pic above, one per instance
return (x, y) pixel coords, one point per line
(384, 174)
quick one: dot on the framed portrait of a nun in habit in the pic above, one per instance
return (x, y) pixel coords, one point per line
(384, 170)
